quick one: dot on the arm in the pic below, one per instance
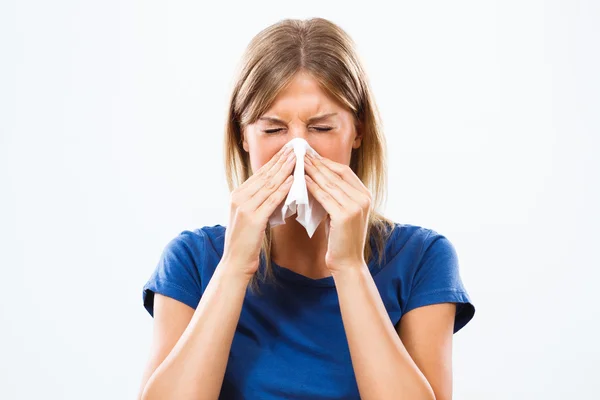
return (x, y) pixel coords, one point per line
(188, 361)
(191, 353)
(382, 357)
(426, 333)
(171, 317)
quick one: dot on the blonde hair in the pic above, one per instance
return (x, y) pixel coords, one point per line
(326, 52)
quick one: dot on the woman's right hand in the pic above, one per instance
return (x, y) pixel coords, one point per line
(252, 203)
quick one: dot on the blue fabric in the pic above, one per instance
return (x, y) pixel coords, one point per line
(290, 340)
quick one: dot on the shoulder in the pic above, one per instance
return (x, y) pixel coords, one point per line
(214, 237)
(197, 249)
(411, 240)
(424, 268)
(203, 245)
(199, 240)
(185, 266)
(412, 249)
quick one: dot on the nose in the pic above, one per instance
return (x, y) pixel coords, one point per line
(299, 131)
(295, 133)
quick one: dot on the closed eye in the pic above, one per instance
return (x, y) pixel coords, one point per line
(317, 128)
(272, 130)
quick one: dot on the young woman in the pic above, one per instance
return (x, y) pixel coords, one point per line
(365, 308)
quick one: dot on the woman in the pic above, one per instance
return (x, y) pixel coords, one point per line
(258, 312)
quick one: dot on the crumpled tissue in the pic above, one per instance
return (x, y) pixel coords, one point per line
(299, 200)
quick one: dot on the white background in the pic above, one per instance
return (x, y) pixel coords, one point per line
(111, 129)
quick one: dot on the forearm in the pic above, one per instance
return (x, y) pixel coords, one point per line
(195, 368)
(382, 366)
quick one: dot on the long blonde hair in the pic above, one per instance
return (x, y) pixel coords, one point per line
(321, 48)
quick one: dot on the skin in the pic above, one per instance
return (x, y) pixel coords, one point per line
(412, 360)
(301, 100)
(381, 364)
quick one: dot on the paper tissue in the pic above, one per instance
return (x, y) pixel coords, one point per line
(299, 200)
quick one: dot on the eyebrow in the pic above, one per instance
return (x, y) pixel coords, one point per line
(316, 118)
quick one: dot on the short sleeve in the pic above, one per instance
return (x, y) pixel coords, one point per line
(177, 275)
(437, 280)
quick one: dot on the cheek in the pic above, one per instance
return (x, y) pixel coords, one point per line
(261, 152)
(256, 150)
(258, 159)
(339, 155)
(334, 148)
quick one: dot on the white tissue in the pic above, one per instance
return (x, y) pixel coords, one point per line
(299, 200)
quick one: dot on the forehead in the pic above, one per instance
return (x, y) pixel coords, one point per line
(303, 94)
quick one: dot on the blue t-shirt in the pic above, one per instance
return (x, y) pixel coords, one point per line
(290, 340)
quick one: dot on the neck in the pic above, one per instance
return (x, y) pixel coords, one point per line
(293, 249)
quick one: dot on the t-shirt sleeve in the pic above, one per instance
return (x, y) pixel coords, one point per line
(437, 280)
(177, 275)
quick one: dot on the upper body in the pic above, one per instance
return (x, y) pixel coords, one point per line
(340, 318)
(290, 340)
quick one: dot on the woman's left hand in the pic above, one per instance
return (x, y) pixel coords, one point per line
(348, 203)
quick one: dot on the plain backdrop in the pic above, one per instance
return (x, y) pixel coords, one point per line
(111, 130)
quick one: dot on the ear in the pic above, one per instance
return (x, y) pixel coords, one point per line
(358, 138)
(245, 143)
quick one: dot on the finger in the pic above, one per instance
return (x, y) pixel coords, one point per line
(271, 183)
(330, 205)
(281, 154)
(264, 174)
(343, 171)
(274, 199)
(333, 184)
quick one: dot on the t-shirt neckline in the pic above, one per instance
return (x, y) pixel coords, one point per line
(297, 278)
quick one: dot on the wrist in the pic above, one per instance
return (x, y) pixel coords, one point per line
(349, 271)
(232, 271)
